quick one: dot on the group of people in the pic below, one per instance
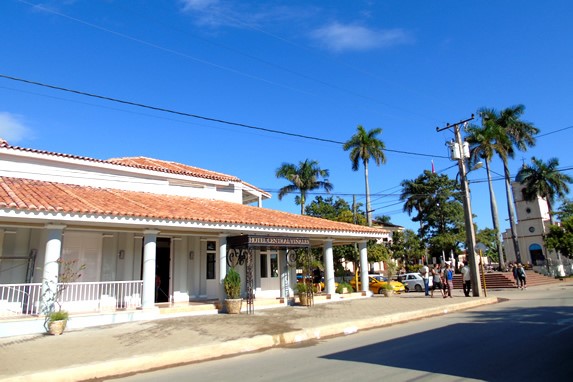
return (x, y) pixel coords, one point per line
(442, 279)
(519, 275)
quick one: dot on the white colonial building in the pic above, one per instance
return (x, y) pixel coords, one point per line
(148, 232)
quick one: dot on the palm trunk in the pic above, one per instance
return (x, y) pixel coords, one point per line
(495, 217)
(511, 211)
(368, 207)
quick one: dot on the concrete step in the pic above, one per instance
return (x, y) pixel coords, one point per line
(500, 280)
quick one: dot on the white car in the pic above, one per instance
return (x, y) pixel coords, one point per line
(412, 281)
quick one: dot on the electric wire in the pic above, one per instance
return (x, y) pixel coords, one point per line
(185, 114)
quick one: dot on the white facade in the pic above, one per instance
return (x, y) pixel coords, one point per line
(532, 223)
(183, 255)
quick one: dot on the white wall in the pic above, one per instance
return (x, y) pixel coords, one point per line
(96, 174)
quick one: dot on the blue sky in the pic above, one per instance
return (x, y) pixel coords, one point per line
(315, 68)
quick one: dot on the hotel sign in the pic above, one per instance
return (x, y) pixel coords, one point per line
(269, 241)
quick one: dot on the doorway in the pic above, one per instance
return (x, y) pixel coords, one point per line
(163, 269)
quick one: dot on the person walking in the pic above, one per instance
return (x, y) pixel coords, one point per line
(515, 275)
(521, 277)
(437, 280)
(425, 273)
(467, 278)
(316, 279)
(449, 276)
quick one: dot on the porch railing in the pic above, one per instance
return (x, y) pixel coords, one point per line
(18, 299)
(81, 297)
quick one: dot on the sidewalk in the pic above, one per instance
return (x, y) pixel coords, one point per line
(130, 347)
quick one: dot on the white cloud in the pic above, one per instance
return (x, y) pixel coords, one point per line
(12, 129)
(338, 37)
(191, 5)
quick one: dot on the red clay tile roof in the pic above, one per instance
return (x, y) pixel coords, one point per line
(34, 195)
(172, 167)
(144, 163)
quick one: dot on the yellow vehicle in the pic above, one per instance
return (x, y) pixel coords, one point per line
(377, 283)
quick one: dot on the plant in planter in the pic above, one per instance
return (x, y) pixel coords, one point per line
(232, 283)
(303, 290)
(344, 287)
(57, 322)
(56, 318)
(390, 270)
(387, 289)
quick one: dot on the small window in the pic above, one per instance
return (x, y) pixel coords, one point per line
(264, 266)
(531, 229)
(528, 210)
(210, 266)
(274, 265)
(211, 259)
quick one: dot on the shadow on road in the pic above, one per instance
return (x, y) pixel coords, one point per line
(515, 344)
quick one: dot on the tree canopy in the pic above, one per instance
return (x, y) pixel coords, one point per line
(437, 201)
(544, 180)
(303, 178)
(364, 146)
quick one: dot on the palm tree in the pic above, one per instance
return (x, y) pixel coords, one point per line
(544, 180)
(484, 141)
(518, 134)
(303, 178)
(363, 146)
(414, 195)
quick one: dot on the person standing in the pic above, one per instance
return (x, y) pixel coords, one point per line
(467, 278)
(437, 280)
(317, 278)
(425, 273)
(515, 275)
(449, 275)
(521, 277)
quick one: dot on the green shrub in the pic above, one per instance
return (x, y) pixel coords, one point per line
(232, 284)
(302, 288)
(342, 285)
(58, 316)
(415, 268)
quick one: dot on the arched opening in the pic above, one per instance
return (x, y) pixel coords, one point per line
(536, 254)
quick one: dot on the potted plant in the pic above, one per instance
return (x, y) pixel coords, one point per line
(390, 270)
(344, 287)
(303, 289)
(56, 318)
(57, 322)
(232, 283)
(387, 289)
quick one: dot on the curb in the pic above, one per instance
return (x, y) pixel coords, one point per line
(172, 358)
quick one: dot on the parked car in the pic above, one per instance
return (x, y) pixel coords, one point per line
(412, 282)
(377, 283)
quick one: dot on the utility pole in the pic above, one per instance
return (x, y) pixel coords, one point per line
(460, 153)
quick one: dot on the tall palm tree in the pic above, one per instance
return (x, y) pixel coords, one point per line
(518, 134)
(545, 180)
(363, 146)
(414, 195)
(484, 141)
(303, 178)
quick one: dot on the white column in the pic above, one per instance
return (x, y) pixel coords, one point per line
(222, 266)
(329, 267)
(292, 280)
(364, 269)
(284, 273)
(149, 257)
(51, 267)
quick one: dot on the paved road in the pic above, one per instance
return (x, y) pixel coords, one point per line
(529, 338)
